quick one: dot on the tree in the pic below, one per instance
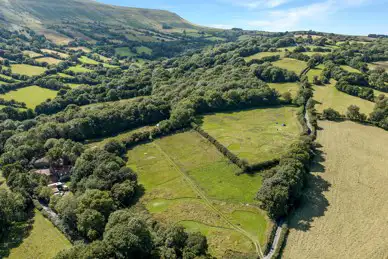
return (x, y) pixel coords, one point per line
(11, 209)
(287, 97)
(91, 223)
(353, 113)
(331, 114)
(123, 193)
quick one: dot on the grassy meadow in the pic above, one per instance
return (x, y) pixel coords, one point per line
(292, 88)
(124, 52)
(344, 211)
(188, 182)
(82, 48)
(31, 95)
(315, 72)
(263, 55)
(43, 242)
(291, 64)
(28, 70)
(328, 96)
(88, 61)
(49, 60)
(79, 69)
(143, 49)
(350, 69)
(31, 54)
(256, 135)
(61, 54)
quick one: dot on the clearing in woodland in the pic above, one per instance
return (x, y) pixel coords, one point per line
(31, 95)
(344, 210)
(291, 64)
(256, 135)
(188, 182)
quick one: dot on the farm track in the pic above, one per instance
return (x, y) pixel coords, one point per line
(198, 190)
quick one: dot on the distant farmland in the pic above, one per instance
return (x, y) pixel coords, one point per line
(344, 213)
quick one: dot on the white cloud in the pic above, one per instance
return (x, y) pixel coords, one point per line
(256, 4)
(300, 17)
(221, 26)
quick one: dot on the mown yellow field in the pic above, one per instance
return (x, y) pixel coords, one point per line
(345, 210)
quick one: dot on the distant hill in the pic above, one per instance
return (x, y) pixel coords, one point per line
(64, 20)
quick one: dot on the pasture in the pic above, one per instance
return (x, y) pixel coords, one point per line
(291, 64)
(380, 64)
(61, 54)
(143, 49)
(350, 69)
(344, 211)
(328, 96)
(79, 69)
(49, 60)
(80, 48)
(256, 135)
(43, 242)
(292, 88)
(315, 72)
(263, 55)
(188, 182)
(31, 54)
(88, 61)
(28, 70)
(31, 95)
(124, 52)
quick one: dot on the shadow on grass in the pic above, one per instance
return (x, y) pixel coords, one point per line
(317, 165)
(14, 236)
(313, 204)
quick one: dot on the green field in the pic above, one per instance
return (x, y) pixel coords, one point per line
(285, 87)
(28, 70)
(263, 55)
(88, 61)
(381, 64)
(328, 96)
(315, 72)
(187, 181)
(31, 54)
(43, 242)
(143, 49)
(49, 51)
(255, 135)
(79, 69)
(50, 60)
(124, 52)
(350, 69)
(291, 64)
(31, 95)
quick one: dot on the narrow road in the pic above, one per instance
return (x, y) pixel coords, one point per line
(275, 242)
(209, 203)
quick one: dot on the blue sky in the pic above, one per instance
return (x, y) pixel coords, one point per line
(355, 17)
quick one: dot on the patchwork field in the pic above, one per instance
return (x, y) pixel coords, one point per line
(381, 64)
(84, 49)
(79, 69)
(328, 96)
(188, 182)
(88, 61)
(61, 54)
(344, 214)
(263, 55)
(31, 54)
(43, 242)
(27, 70)
(124, 52)
(350, 69)
(256, 135)
(291, 64)
(50, 60)
(315, 72)
(31, 95)
(292, 88)
(143, 49)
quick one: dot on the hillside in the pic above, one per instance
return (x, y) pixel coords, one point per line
(67, 20)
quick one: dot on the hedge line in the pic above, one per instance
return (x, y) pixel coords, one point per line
(243, 164)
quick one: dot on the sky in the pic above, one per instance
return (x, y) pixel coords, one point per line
(352, 17)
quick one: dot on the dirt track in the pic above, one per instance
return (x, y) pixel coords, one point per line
(345, 208)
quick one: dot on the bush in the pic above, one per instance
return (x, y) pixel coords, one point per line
(331, 114)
